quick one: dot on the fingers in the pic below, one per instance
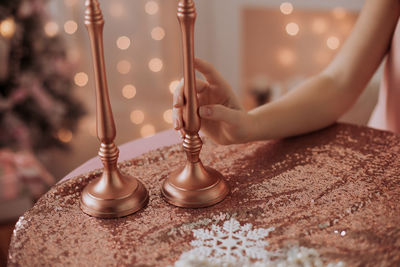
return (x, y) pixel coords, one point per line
(178, 101)
(177, 118)
(208, 70)
(219, 113)
(178, 95)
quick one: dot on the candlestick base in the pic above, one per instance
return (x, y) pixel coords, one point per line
(195, 186)
(113, 195)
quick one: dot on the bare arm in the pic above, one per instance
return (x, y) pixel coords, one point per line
(322, 99)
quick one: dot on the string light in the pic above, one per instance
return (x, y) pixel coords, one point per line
(168, 116)
(286, 8)
(7, 28)
(158, 33)
(319, 25)
(333, 42)
(70, 3)
(123, 42)
(116, 9)
(64, 135)
(155, 65)
(147, 130)
(151, 7)
(137, 116)
(81, 79)
(292, 28)
(124, 66)
(129, 91)
(51, 28)
(286, 57)
(70, 27)
(173, 85)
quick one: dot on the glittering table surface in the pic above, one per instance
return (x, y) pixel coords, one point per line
(336, 190)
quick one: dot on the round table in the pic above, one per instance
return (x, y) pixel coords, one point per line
(333, 195)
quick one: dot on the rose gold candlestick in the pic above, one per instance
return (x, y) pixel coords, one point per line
(195, 186)
(113, 194)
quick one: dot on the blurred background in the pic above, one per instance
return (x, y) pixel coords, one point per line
(47, 98)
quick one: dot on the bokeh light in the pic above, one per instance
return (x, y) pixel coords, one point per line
(81, 79)
(339, 12)
(51, 28)
(137, 116)
(151, 7)
(70, 3)
(155, 65)
(292, 28)
(124, 66)
(333, 42)
(64, 135)
(286, 8)
(319, 25)
(123, 42)
(147, 130)
(129, 91)
(168, 116)
(286, 57)
(116, 9)
(173, 85)
(158, 33)
(7, 28)
(70, 27)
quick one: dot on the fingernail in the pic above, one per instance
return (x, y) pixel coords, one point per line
(205, 111)
(176, 124)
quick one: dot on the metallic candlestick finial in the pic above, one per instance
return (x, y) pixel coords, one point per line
(113, 194)
(195, 186)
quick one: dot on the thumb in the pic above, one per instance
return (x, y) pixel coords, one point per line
(219, 113)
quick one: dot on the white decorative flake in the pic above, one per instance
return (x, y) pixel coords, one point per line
(234, 245)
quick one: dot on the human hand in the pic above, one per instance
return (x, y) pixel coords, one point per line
(223, 118)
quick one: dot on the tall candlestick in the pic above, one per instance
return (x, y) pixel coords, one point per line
(194, 186)
(113, 194)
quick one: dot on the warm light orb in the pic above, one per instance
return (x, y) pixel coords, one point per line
(147, 130)
(123, 42)
(70, 3)
(129, 91)
(116, 9)
(7, 28)
(81, 79)
(168, 116)
(339, 12)
(173, 85)
(137, 116)
(286, 57)
(158, 33)
(151, 7)
(73, 55)
(319, 25)
(286, 8)
(64, 135)
(70, 27)
(124, 66)
(292, 28)
(155, 65)
(51, 28)
(333, 42)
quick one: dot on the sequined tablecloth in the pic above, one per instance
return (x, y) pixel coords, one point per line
(336, 191)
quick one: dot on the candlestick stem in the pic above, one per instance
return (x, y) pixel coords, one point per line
(113, 194)
(194, 186)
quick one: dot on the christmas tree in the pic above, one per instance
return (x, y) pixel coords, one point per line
(37, 107)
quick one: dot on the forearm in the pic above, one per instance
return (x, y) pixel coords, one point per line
(315, 104)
